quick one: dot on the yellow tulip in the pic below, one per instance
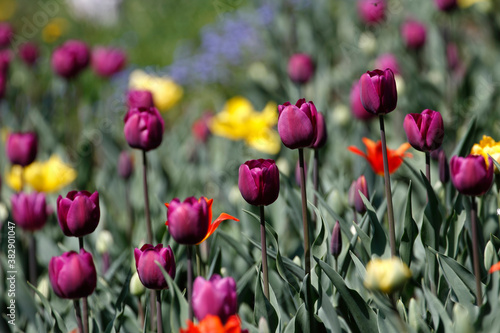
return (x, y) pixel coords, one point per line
(386, 275)
(487, 146)
(166, 93)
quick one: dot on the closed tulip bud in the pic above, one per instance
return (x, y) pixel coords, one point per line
(73, 275)
(22, 148)
(28, 52)
(70, 58)
(371, 11)
(30, 211)
(386, 275)
(146, 260)
(446, 5)
(425, 131)
(107, 61)
(300, 68)
(378, 91)
(78, 213)
(297, 124)
(139, 99)
(125, 164)
(414, 34)
(471, 175)
(201, 129)
(6, 34)
(144, 128)
(357, 108)
(444, 169)
(336, 243)
(355, 200)
(216, 296)
(259, 182)
(388, 60)
(136, 286)
(321, 133)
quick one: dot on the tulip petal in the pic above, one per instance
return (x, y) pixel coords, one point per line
(215, 224)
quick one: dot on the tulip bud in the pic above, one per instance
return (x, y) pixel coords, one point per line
(378, 91)
(78, 213)
(355, 200)
(424, 130)
(386, 275)
(104, 241)
(22, 148)
(444, 169)
(452, 56)
(357, 107)
(336, 243)
(28, 52)
(446, 5)
(471, 175)
(200, 128)
(297, 124)
(144, 128)
(371, 11)
(216, 296)
(188, 221)
(30, 211)
(6, 34)
(73, 275)
(414, 34)
(388, 60)
(321, 133)
(70, 58)
(139, 99)
(136, 286)
(259, 182)
(150, 274)
(107, 61)
(125, 165)
(300, 68)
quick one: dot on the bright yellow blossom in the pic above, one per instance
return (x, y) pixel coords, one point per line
(54, 29)
(166, 93)
(47, 176)
(386, 275)
(7, 9)
(239, 121)
(487, 146)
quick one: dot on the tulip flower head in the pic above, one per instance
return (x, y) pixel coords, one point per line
(146, 260)
(414, 34)
(78, 213)
(297, 124)
(355, 200)
(487, 146)
(70, 59)
(444, 168)
(22, 148)
(300, 68)
(144, 128)
(107, 61)
(259, 182)
(213, 324)
(201, 127)
(357, 108)
(336, 242)
(139, 99)
(28, 52)
(216, 296)
(472, 175)
(378, 91)
(125, 164)
(321, 132)
(6, 34)
(446, 5)
(386, 275)
(166, 93)
(30, 211)
(388, 60)
(371, 11)
(425, 131)
(73, 275)
(190, 222)
(374, 155)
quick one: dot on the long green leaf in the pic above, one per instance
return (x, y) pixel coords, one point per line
(410, 231)
(460, 280)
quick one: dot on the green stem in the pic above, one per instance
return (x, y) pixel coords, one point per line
(428, 166)
(316, 186)
(146, 197)
(475, 250)
(264, 251)
(85, 311)
(159, 320)
(78, 314)
(190, 281)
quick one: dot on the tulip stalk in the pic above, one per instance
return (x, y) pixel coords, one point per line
(32, 260)
(428, 166)
(85, 311)
(78, 314)
(159, 320)
(190, 281)
(388, 193)
(315, 184)
(146, 197)
(264, 251)
(475, 250)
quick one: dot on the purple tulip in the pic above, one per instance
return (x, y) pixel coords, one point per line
(22, 148)
(259, 182)
(30, 211)
(78, 213)
(188, 221)
(355, 200)
(297, 124)
(378, 91)
(107, 61)
(144, 128)
(388, 60)
(371, 11)
(357, 108)
(446, 5)
(6, 34)
(452, 56)
(300, 68)
(336, 243)
(28, 52)
(321, 133)
(139, 99)
(125, 164)
(470, 175)
(73, 275)
(444, 168)
(149, 273)
(425, 131)
(216, 297)
(201, 127)
(414, 34)
(70, 58)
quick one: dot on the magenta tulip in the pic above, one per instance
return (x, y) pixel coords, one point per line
(125, 164)
(388, 60)
(259, 182)
(6, 34)
(28, 52)
(371, 11)
(201, 128)
(444, 168)
(378, 91)
(70, 58)
(321, 132)
(144, 128)
(146, 260)
(336, 242)
(188, 221)
(78, 213)
(446, 5)
(297, 124)
(357, 108)
(414, 34)
(30, 211)
(22, 148)
(73, 275)
(216, 297)
(107, 61)
(139, 99)
(300, 68)
(355, 200)
(470, 175)
(425, 131)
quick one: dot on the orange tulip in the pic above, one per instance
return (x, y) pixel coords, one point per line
(495, 267)
(374, 155)
(212, 324)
